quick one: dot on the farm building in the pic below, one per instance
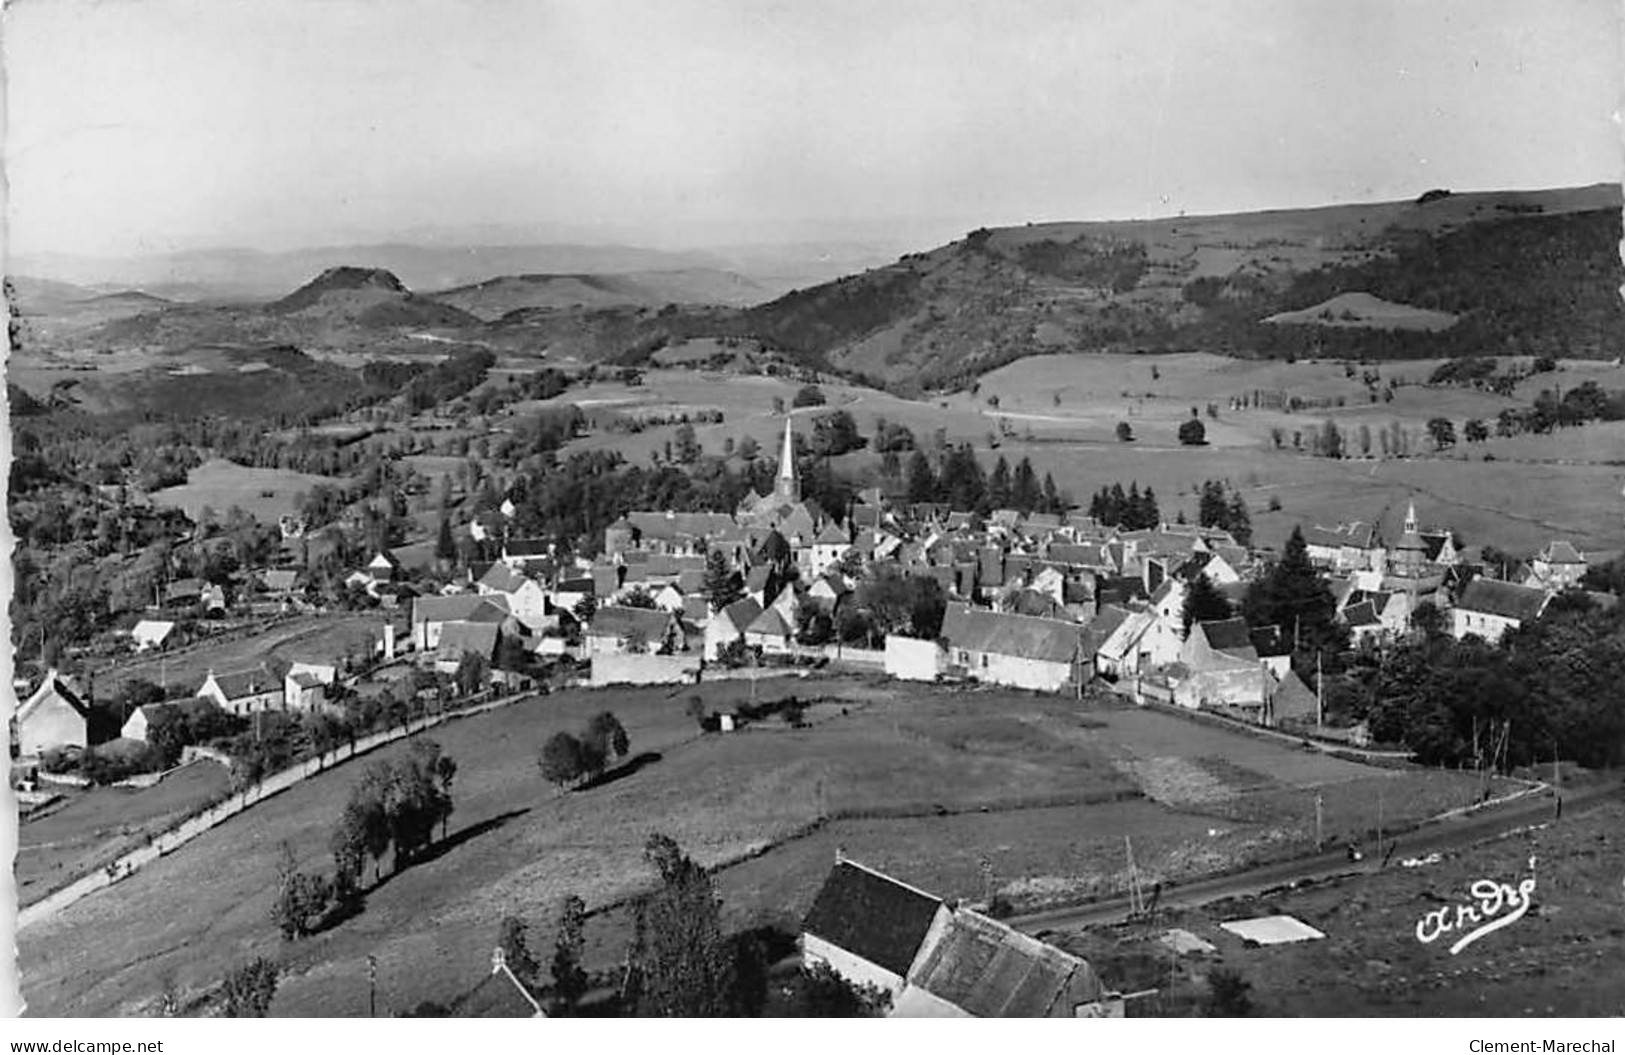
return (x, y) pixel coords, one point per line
(54, 716)
(728, 625)
(143, 719)
(151, 633)
(938, 960)
(243, 692)
(431, 614)
(303, 691)
(526, 598)
(1489, 608)
(460, 639)
(619, 629)
(770, 631)
(1024, 652)
(912, 659)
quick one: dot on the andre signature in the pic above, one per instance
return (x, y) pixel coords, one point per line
(1484, 914)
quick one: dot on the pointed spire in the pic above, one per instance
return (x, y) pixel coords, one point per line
(1410, 517)
(788, 488)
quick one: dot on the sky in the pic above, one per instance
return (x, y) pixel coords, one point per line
(146, 126)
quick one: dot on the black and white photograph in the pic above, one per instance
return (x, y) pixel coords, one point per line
(752, 509)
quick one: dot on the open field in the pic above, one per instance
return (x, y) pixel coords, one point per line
(95, 826)
(1564, 958)
(925, 780)
(265, 494)
(313, 638)
(1063, 411)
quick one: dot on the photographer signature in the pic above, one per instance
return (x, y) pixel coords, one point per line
(1484, 913)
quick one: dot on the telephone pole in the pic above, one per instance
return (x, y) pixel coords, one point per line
(372, 986)
(1320, 840)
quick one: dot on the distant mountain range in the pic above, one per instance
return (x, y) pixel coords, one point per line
(1443, 274)
(735, 275)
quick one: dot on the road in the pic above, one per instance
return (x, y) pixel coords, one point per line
(1434, 836)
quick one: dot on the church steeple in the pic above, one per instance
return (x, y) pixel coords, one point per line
(1410, 518)
(787, 487)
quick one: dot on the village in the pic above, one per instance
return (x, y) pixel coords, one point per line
(1055, 604)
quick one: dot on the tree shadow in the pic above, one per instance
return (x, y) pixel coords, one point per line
(622, 771)
(455, 839)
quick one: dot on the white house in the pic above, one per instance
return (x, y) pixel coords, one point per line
(913, 659)
(1026, 652)
(151, 633)
(828, 547)
(1489, 608)
(141, 721)
(1557, 567)
(525, 597)
(243, 692)
(303, 691)
(728, 625)
(53, 716)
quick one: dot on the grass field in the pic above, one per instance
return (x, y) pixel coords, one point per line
(265, 494)
(1564, 958)
(314, 639)
(95, 826)
(1063, 410)
(928, 782)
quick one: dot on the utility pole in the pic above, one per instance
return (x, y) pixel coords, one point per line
(1320, 703)
(1320, 841)
(372, 986)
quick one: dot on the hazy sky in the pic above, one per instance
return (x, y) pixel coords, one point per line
(146, 125)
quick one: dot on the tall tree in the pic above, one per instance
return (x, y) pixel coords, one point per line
(1294, 596)
(569, 976)
(722, 584)
(998, 485)
(684, 963)
(922, 482)
(1203, 603)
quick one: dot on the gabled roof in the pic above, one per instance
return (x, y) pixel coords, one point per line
(990, 970)
(872, 916)
(619, 621)
(525, 547)
(478, 638)
(1362, 614)
(1004, 634)
(1228, 635)
(1504, 599)
(244, 683)
(502, 578)
(742, 613)
(756, 578)
(53, 687)
(459, 608)
(831, 536)
(769, 622)
(1560, 552)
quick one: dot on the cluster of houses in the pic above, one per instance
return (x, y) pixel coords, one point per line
(1044, 602)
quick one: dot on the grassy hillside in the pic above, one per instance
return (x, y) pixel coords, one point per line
(494, 298)
(1533, 270)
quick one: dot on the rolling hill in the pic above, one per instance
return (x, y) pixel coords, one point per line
(1538, 269)
(494, 298)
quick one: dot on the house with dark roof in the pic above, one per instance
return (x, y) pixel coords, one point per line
(1489, 608)
(54, 715)
(771, 631)
(867, 926)
(244, 691)
(1557, 567)
(937, 959)
(430, 615)
(728, 625)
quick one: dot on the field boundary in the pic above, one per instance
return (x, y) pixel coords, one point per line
(166, 842)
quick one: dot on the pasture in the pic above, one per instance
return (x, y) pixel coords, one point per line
(312, 638)
(1061, 411)
(931, 782)
(264, 494)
